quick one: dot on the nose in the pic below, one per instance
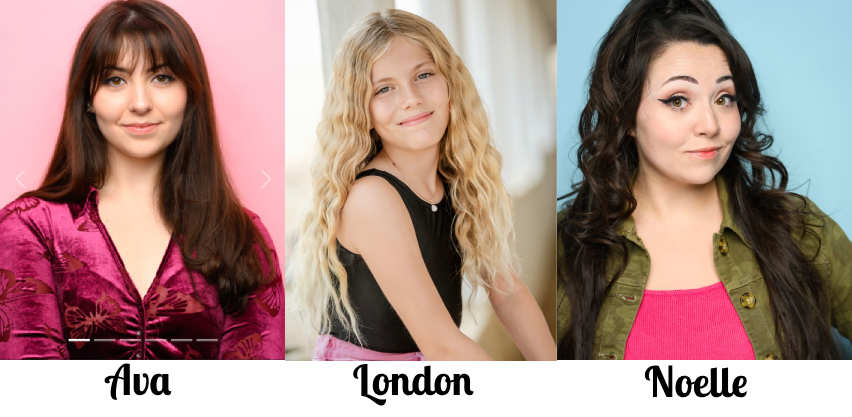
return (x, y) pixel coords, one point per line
(140, 102)
(707, 124)
(411, 97)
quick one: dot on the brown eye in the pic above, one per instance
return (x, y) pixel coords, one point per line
(677, 102)
(721, 101)
(115, 81)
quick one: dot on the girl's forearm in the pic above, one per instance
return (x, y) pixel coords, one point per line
(523, 319)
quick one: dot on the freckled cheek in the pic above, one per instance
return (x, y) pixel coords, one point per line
(381, 113)
(437, 95)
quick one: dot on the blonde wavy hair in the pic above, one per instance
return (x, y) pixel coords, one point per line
(469, 164)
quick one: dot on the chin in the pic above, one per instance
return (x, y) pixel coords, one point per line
(142, 151)
(698, 177)
(421, 142)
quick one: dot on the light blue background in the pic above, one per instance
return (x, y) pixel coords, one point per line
(802, 54)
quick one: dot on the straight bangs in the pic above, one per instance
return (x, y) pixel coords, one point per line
(142, 40)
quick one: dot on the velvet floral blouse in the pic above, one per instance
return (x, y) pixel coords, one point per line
(64, 294)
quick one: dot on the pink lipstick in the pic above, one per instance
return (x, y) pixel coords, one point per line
(416, 120)
(706, 153)
(141, 128)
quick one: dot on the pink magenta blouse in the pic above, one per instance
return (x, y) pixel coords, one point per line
(64, 294)
(688, 324)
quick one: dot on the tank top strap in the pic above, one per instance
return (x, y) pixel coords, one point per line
(409, 197)
(400, 186)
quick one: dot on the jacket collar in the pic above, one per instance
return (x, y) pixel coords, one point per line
(627, 228)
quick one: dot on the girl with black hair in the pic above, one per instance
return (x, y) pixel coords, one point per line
(674, 171)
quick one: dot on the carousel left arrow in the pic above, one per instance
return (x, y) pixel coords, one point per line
(19, 176)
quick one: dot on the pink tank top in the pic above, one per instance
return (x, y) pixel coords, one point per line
(701, 323)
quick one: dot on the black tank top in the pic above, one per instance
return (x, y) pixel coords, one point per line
(381, 328)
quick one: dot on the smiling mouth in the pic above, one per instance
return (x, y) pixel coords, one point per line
(416, 120)
(141, 128)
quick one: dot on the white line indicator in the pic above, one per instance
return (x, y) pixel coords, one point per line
(22, 173)
(147, 340)
(267, 181)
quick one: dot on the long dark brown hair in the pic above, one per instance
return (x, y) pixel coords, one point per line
(196, 199)
(766, 213)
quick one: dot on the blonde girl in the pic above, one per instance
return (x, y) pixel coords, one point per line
(407, 204)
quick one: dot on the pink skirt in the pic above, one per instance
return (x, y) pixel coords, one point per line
(330, 348)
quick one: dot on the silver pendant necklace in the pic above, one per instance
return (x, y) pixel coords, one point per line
(434, 207)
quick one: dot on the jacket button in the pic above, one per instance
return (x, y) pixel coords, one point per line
(747, 300)
(770, 356)
(723, 246)
(138, 355)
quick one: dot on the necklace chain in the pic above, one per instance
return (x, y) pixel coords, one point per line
(412, 190)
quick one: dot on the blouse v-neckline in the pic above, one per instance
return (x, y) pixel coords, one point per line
(119, 262)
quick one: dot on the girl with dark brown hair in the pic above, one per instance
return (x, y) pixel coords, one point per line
(674, 172)
(136, 245)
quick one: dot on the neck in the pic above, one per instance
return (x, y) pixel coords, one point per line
(132, 181)
(419, 169)
(668, 201)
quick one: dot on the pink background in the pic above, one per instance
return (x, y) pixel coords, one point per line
(243, 45)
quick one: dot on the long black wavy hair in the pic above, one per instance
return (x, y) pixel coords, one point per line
(766, 213)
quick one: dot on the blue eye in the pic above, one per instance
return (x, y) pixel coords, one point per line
(383, 90)
(425, 75)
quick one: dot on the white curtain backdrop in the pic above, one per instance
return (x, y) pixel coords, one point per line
(507, 46)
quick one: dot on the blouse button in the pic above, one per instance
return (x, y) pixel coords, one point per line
(138, 355)
(138, 333)
(770, 356)
(747, 300)
(723, 246)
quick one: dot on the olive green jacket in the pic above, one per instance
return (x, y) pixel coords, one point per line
(740, 274)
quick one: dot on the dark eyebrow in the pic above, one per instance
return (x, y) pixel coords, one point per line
(152, 69)
(417, 67)
(680, 78)
(119, 69)
(158, 67)
(694, 81)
